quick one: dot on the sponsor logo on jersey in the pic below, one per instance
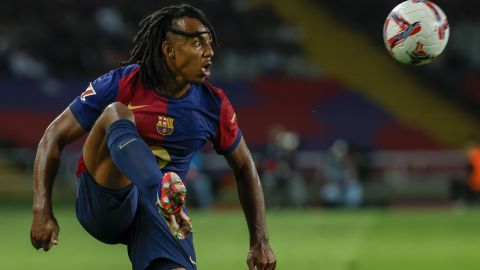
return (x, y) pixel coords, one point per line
(165, 125)
(88, 92)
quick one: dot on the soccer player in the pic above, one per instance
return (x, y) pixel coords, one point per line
(145, 121)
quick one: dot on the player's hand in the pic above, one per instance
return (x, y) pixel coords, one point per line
(261, 257)
(44, 231)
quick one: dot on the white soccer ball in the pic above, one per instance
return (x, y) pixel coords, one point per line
(416, 31)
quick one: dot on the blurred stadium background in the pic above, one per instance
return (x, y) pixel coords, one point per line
(364, 162)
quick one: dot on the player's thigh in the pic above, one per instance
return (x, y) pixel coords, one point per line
(106, 214)
(95, 150)
(96, 154)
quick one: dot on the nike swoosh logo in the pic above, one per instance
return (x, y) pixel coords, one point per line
(121, 146)
(191, 260)
(132, 107)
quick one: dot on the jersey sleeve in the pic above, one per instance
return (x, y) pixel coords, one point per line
(228, 135)
(99, 94)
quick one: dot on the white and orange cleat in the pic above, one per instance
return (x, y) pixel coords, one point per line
(171, 196)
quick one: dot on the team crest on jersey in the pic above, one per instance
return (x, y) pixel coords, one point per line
(88, 92)
(165, 125)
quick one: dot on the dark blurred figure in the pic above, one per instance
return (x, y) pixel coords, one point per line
(342, 187)
(283, 183)
(199, 184)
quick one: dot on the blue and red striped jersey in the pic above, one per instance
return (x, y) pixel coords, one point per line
(174, 128)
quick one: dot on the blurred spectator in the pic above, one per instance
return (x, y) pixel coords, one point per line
(87, 38)
(342, 187)
(22, 64)
(110, 21)
(199, 184)
(465, 188)
(473, 173)
(283, 183)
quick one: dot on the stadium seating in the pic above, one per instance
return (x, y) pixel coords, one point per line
(274, 71)
(320, 110)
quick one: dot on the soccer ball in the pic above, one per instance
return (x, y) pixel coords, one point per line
(416, 31)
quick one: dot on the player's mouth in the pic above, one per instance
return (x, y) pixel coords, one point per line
(206, 68)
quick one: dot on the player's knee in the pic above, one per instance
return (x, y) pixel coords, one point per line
(116, 111)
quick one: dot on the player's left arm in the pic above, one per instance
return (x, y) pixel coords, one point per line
(251, 198)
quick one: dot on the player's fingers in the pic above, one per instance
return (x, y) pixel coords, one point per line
(261, 266)
(250, 263)
(32, 240)
(54, 240)
(54, 237)
(35, 243)
(44, 241)
(272, 265)
(47, 245)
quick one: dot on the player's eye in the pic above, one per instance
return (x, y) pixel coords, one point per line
(198, 43)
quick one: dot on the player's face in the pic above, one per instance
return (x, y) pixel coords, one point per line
(192, 56)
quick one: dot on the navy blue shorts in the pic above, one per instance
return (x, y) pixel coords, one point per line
(124, 216)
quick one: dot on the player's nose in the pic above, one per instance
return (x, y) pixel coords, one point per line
(208, 52)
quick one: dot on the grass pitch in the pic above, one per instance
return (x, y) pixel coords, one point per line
(314, 239)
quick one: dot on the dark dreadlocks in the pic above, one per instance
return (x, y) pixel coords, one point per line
(147, 51)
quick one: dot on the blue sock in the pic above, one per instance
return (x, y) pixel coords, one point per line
(133, 157)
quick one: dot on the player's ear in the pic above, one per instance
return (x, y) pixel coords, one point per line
(167, 49)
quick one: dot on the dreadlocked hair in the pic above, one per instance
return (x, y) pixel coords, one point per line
(147, 42)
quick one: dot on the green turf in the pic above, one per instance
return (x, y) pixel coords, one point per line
(333, 240)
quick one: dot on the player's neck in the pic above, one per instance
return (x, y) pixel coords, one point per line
(173, 88)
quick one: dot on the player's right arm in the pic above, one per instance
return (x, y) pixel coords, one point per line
(68, 127)
(64, 130)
